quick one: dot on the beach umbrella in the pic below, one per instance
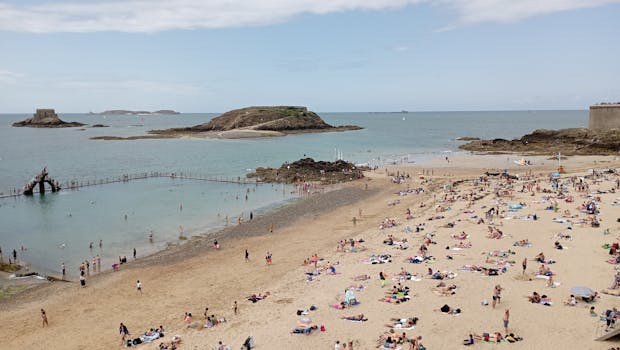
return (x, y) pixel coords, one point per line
(305, 321)
(582, 291)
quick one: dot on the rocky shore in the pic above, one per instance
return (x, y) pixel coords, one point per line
(574, 141)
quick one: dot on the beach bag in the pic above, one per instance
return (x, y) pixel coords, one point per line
(137, 341)
(322, 328)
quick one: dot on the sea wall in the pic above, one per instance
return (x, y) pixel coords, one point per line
(604, 117)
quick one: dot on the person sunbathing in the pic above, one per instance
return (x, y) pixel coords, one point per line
(534, 298)
(361, 278)
(445, 290)
(403, 322)
(464, 245)
(495, 337)
(545, 271)
(304, 330)
(254, 298)
(522, 243)
(359, 317)
(446, 309)
(540, 257)
(558, 246)
(590, 298)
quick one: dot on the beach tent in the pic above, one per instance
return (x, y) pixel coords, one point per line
(582, 291)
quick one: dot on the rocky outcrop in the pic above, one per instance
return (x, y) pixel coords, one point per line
(284, 119)
(308, 169)
(575, 141)
(46, 118)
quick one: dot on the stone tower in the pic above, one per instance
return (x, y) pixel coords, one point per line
(604, 116)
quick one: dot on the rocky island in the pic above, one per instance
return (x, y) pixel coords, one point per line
(46, 118)
(249, 122)
(574, 141)
(307, 169)
(128, 112)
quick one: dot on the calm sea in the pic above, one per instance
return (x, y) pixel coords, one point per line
(59, 227)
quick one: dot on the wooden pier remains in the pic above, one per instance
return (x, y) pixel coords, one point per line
(76, 184)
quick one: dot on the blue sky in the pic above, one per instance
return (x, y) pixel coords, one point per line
(329, 55)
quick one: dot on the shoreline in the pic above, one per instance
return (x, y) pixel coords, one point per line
(202, 242)
(193, 276)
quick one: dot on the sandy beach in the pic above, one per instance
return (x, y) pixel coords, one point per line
(190, 277)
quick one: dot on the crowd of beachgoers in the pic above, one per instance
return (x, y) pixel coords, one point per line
(526, 256)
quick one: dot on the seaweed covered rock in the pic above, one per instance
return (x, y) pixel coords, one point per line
(573, 141)
(307, 169)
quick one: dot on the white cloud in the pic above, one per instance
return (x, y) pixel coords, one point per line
(161, 15)
(506, 11)
(7, 77)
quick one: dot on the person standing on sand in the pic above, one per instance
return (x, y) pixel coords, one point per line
(235, 307)
(44, 318)
(139, 286)
(188, 319)
(15, 256)
(382, 277)
(270, 228)
(247, 256)
(524, 264)
(134, 253)
(506, 319)
(497, 295)
(124, 332)
(64, 270)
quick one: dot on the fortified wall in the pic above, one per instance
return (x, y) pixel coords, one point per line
(604, 116)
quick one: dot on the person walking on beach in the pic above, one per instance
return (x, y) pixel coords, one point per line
(247, 256)
(82, 280)
(506, 319)
(100, 243)
(188, 319)
(134, 253)
(524, 264)
(139, 286)
(64, 270)
(235, 307)
(15, 256)
(270, 228)
(124, 332)
(497, 295)
(44, 318)
(268, 258)
(382, 277)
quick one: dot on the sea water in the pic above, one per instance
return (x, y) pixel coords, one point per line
(59, 227)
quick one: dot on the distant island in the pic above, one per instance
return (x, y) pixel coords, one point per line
(46, 118)
(249, 122)
(127, 112)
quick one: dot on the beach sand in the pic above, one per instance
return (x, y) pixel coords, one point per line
(192, 276)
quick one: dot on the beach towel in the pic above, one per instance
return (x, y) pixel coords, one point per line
(341, 306)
